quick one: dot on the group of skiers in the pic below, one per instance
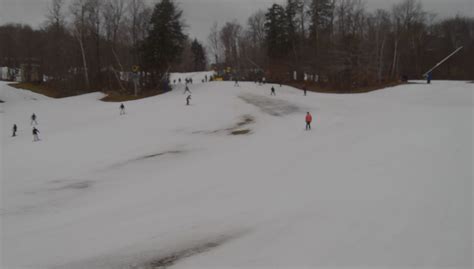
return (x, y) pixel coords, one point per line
(190, 80)
(186, 80)
(33, 123)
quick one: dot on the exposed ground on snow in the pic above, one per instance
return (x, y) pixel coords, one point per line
(234, 130)
(271, 106)
(171, 259)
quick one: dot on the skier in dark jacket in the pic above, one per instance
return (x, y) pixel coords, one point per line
(273, 91)
(15, 128)
(429, 77)
(33, 119)
(186, 89)
(188, 99)
(35, 134)
(122, 109)
(304, 90)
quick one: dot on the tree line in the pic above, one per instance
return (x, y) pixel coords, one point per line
(340, 44)
(97, 44)
(91, 45)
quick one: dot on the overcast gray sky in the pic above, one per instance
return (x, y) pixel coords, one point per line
(200, 14)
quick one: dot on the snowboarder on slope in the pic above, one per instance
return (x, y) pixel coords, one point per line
(35, 134)
(33, 119)
(188, 99)
(122, 109)
(308, 120)
(15, 128)
(429, 77)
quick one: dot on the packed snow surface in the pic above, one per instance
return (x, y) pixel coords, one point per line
(383, 180)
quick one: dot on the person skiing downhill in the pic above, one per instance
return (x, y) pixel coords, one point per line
(33, 119)
(304, 90)
(236, 83)
(186, 89)
(308, 120)
(188, 99)
(273, 91)
(35, 134)
(122, 109)
(15, 128)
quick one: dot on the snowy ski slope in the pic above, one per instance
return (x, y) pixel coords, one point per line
(384, 179)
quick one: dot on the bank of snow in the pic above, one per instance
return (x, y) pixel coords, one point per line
(384, 179)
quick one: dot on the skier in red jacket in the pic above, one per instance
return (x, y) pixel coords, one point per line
(308, 119)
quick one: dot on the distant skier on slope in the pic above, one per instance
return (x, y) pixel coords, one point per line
(236, 83)
(186, 89)
(429, 77)
(33, 119)
(15, 128)
(122, 109)
(35, 134)
(273, 91)
(308, 120)
(188, 99)
(304, 90)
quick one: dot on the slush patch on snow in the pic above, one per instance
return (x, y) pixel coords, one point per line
(78, 185)
(240, 132)
(235, 130)
(146, 157)
(246, 119)
(81, 185)
(173, 258)
(272, 106)
(160, 154)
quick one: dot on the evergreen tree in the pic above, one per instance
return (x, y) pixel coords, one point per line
(165, 40)
(321, 13)
(276, 35)
(199, 56)
(291, 10)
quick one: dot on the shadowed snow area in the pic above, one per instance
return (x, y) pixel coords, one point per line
(383, 180)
